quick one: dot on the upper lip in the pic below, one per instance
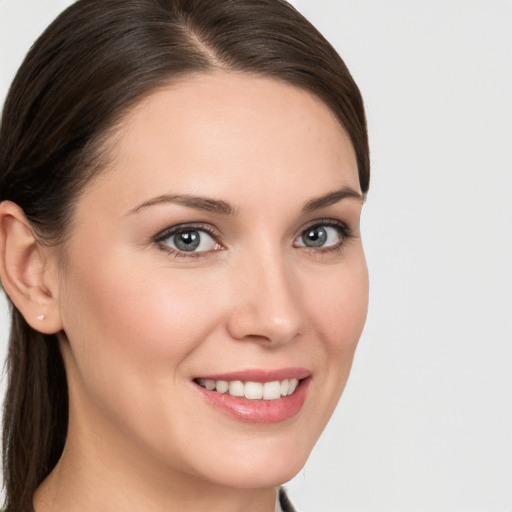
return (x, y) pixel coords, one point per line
(260, 375)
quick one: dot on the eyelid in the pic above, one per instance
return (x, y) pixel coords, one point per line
(187, 226)
(346, 233)
(200, 226)
(343, 226)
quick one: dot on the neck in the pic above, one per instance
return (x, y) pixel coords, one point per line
(77, 487)
(103, 476)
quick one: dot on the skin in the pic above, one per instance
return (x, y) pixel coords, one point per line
(139, 322)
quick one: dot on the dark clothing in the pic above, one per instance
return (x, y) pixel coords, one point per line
(284, 501)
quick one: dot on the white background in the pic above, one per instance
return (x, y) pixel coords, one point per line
(426, 420)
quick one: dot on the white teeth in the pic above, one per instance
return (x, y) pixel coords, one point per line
(272, 390)
(252, 390)
(236, 388)
(292, 385)
(209, 384)
(221, 386)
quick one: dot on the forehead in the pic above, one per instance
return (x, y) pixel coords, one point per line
(227, 132)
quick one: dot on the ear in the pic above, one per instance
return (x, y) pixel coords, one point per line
(27, 274)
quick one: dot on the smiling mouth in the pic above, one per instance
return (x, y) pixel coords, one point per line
(257, 396)
(273, 390)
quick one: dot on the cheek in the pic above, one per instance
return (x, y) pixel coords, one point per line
(338, 309)
(126, 314)
(131, 330)
(336, 312)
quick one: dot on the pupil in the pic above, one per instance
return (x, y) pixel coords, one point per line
(315, 237)
(187, 241)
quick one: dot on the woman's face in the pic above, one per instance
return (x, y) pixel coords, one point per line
(220, 247)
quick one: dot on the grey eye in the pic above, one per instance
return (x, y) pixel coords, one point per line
(191, 240)
(314, 237)
(320, 235)
(187, 240)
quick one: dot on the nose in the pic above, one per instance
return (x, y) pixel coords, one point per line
(266, 303)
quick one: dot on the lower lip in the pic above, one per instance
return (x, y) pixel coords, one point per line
(258, 411)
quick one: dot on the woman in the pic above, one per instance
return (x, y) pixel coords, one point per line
(181, 185)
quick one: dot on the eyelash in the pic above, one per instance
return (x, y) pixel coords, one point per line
(180, 228)
(343, 229)
(344, 232)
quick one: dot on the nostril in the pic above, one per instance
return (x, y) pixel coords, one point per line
(266, 304)
(256, 327)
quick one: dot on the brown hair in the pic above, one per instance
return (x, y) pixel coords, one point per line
(93, 63)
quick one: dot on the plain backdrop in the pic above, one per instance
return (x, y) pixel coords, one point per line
(425, 424)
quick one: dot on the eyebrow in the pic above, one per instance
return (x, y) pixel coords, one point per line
(222, 207)
(331, 198)
(198, 203)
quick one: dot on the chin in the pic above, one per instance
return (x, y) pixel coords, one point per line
(260, 462)
(271, 472)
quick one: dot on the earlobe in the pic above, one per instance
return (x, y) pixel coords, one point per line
(25, 272)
